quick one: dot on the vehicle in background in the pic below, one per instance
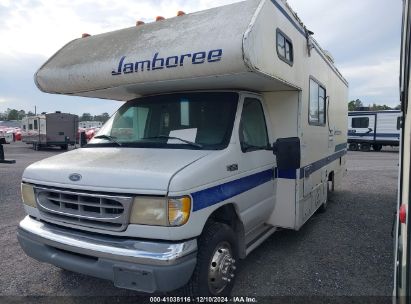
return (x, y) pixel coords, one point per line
(227, 135)
(8, 136)
(90, 124)
(374, 129)
(402, 231)
(50, 129)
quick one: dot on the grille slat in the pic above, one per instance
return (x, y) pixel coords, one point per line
(94, 210)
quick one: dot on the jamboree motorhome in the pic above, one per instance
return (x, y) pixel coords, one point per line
(50, 129)
(235, 125)
(374, 129)
(402, 232)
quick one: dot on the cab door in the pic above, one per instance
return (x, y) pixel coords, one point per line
(257, 162)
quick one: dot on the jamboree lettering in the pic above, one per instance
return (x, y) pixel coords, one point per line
(158, 63)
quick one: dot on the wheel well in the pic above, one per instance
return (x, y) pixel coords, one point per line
(227, 214)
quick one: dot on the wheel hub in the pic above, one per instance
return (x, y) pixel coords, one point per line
(221, 268)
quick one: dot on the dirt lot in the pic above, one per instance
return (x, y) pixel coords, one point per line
(346, 251)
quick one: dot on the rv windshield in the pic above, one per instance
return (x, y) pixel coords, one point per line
(176, 121)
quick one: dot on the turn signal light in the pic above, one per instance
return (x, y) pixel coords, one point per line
(139, 22)
(160, 18)
(180, 13)
(403, 213)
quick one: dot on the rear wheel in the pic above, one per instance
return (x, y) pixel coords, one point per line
(64, 147)
(377, 147)
(365, 147)
(215, 270)
(353, 147)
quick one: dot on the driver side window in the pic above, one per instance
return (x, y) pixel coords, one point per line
(253, 130)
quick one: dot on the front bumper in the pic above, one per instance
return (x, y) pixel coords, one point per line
(154, 266)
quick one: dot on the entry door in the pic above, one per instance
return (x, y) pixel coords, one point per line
(362, 127)
(258, 161)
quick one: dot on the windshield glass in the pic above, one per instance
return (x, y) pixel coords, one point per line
(176, 121)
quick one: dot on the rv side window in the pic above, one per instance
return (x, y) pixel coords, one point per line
(284, 48)
(35, 125)
(398, 122)
(30, 127)
(253, 130)
(317, 104)
(360, 122)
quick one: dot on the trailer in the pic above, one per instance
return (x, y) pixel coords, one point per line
(50, 129)
(234, 125)
(374, 129)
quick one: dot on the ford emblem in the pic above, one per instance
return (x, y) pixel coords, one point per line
(75, 177)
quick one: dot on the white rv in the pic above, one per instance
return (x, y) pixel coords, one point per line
(374, 129)
(235, 124)
(50, 129)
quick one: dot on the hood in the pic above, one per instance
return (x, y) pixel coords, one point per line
(129, 170)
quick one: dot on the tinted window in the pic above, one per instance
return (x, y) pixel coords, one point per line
(317, 105)
(253, 130)
(284, 48)
(205, 119)
(360, 122)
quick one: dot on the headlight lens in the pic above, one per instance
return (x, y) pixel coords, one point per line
(160, 211)
(149, 211)
(27, 195)
(179, 210)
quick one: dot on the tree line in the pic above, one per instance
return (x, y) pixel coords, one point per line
(357, 105)
(14, 114)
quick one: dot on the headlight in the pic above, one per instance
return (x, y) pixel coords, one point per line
(27, 195)
(179, 210)
(160, 211)
(149, 211)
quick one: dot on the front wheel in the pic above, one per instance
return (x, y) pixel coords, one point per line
(215, 270)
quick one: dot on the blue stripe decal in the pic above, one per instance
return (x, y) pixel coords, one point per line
(214, 195)
(372, 134)
(287, 174)
(340, 147)
(284, 12)
(211, 196)
(309, 169)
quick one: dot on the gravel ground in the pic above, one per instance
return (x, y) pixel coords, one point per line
(346, 251)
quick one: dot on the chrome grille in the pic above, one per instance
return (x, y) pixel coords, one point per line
(94, 210)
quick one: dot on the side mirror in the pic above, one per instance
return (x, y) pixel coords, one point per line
(288, 153)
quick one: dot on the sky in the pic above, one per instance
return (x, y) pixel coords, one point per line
(363, 37)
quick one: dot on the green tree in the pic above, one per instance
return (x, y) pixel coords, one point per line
(13, 114)
(353, 105)
(86, 117)
(376, 107)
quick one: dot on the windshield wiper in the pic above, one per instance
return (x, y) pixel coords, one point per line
(110, 138)
(173, 137)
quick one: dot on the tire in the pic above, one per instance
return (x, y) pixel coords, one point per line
(64, 147)
(365, 147)
(353, 147)
(217, 251)
(377, 147)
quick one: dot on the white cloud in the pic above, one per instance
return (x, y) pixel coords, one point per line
(44, 26)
